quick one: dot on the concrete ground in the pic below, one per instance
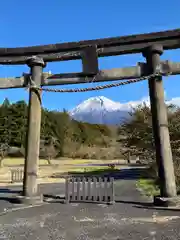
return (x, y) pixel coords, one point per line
(131, 217)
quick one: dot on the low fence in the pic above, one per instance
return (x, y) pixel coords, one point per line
(17, 175)
(89, 189)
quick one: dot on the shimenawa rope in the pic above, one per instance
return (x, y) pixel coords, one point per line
(70, 90)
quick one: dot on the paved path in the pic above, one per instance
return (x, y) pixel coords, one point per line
(126, 219)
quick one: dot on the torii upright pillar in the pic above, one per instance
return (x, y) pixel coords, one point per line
(160, 125)
(30, 186)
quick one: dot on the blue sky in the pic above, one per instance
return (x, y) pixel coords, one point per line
(38, 22)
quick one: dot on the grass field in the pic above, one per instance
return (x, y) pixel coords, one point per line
(148, 187)
(46, 171)
(61, 161)
(19, 161)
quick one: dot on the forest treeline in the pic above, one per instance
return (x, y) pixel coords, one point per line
(60, 135)
(139, 139)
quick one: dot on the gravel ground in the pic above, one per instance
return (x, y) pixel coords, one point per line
(123, 220)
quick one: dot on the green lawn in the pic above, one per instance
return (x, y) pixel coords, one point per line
(93, 169)
(20, 161)
(148, 187)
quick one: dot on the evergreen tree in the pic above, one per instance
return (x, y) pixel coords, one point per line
(57, 128)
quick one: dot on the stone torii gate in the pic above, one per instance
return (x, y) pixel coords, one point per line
(150, 45)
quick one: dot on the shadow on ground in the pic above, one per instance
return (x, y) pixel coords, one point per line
(10, 199)
(53, 198)
(135, 204)
(147, 205)
(9, 195)
(8, 190)
(120, 174)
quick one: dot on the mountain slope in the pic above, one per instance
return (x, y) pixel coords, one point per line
(102, 110)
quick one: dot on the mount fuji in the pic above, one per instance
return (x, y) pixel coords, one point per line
(101, 110)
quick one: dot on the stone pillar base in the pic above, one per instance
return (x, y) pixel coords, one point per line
(167, 202)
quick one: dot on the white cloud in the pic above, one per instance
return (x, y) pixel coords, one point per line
(146, 100)
(175, 101)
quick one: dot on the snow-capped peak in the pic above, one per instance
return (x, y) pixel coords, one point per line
(105, 111)
(102, 110)
(103, 103)
(95, 104)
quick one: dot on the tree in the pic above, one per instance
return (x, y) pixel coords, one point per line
(5, 121)
(54, 125)
(18, 126)
(138, 134)
(6, 103)
(4, 148)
